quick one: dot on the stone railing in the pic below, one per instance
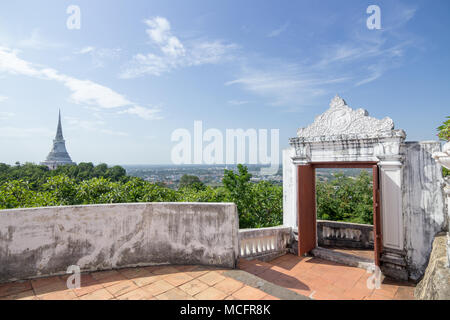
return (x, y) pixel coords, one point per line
(46, 241)
(265, 243)
(343, 234)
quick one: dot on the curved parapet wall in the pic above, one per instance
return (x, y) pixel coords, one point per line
(46, 241)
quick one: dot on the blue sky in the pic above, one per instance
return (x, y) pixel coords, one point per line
(137, 70)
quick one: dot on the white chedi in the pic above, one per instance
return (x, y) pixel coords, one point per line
(443, 158)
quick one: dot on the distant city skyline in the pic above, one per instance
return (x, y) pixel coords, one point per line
(134, 73)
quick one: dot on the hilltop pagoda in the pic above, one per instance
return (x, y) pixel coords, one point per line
(58, 155)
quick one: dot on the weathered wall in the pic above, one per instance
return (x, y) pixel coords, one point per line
(344, 234)
(423, 204)
(45, 241)
(447, 202)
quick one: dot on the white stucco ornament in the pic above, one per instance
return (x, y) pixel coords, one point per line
(340, 119)
(443, 158)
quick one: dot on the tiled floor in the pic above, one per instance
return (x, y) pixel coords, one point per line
(312, 277)
(368, 254)
(320, 279)
(149, 283)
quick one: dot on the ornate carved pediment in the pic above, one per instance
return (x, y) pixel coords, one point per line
(341, 120)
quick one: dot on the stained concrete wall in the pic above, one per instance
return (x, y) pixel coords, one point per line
(423, 204)
(45, 241)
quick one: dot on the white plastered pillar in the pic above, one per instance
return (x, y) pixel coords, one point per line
(290, 197)
(447, 192)
(391, 203)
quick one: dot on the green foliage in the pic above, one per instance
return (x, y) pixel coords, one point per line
(444, 130)
(193, 182)
(37, 175)
(62, 188)
(99, 190)
(445, 172)
(346, 199)
(18, 194)
(444, 134)
(259, 205)
(207, 194)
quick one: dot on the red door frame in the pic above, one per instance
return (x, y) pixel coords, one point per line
(307, 224)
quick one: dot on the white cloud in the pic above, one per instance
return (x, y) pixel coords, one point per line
(37, 41)
(161, 35)
(13, 132)
(173, 53)
(10, 63)
(85, 50)
(86, 91)
(286, 85)
(92, 126)
(82, 91)
(278, 31)
(6, 115)
(212, 52)
(237, 102)
(144, 113)
(3, 98)
(100, 56)
(364, 57)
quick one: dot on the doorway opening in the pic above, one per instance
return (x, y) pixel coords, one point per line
(339, 209)
(344, 211)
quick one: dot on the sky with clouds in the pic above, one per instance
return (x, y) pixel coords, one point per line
(136, 71)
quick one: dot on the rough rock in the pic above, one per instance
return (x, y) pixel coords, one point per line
(435, 284)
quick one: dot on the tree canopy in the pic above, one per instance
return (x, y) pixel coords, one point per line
(259, 204)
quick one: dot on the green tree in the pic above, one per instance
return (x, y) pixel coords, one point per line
(116, 173)
(444, 134)
(63, 189)
(18, 194)
(444, 130)
(259, 205)
(346, 199)
(189, 181)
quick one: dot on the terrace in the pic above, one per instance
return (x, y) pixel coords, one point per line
(196, 250)
(166, 251)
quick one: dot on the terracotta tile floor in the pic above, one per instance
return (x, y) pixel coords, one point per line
(320, 279)
(368, 254)
(312, 277)
(149, 283)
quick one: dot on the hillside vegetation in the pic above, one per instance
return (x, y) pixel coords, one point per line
(259, 204)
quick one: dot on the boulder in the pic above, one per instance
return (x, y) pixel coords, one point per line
(435, 284)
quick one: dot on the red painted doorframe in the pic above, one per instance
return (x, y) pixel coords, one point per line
(307, 224)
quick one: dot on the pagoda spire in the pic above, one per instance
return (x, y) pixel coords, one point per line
(59, 133)
(58, 155)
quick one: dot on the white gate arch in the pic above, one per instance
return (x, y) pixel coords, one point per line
(342, 134)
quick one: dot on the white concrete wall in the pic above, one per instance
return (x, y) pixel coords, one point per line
(264, 243)
(423, 203)
(45, 241)
(289, 189)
